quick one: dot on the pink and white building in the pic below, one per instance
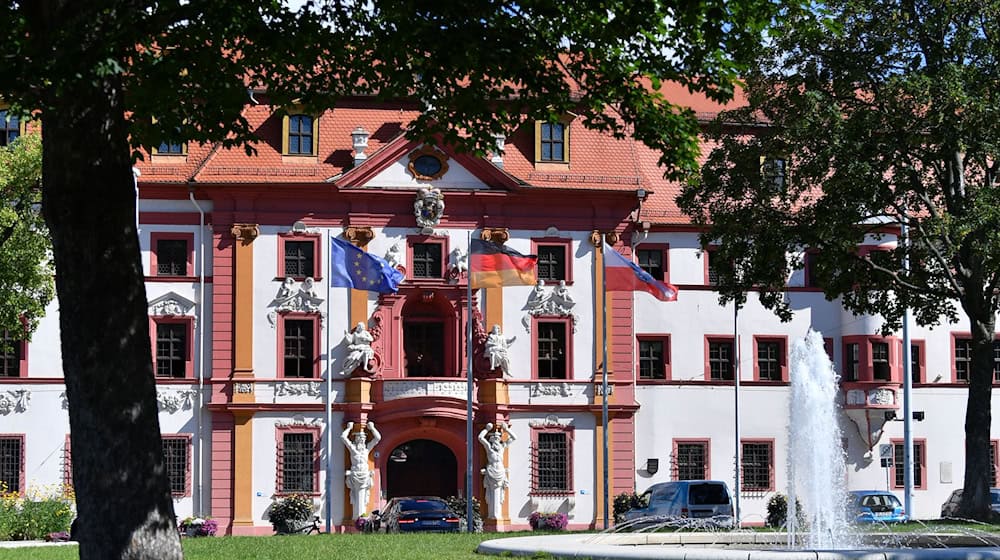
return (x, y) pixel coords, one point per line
(248, 339)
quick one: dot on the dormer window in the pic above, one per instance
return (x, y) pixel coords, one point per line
(299, 135)
(551, 142)
(170, 148)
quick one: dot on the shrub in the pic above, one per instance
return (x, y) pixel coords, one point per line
(33, 517)
(777, 511)
(199, 526)
(548, 521)
(457, 505)
(287, 512)
(626, 501)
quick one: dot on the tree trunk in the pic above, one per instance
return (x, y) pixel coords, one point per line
(122, 491)
(975, 502)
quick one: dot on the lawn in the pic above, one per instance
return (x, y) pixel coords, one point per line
(326, 547)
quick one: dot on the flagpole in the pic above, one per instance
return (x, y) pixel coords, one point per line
(329, 393)
(470, 526)
(604, 380)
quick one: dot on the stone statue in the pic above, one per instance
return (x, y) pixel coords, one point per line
(495, 474)
(394, 256)
(561, 299)
(496, 351)
(359, 478)
(538, 300)
(359, 350)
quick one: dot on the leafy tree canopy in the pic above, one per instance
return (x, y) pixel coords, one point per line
(26, 284)
(886, 113)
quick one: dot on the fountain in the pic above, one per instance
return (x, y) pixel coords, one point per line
(816, 469)
(816, 474)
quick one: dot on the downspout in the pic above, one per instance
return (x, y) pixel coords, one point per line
(198, 483)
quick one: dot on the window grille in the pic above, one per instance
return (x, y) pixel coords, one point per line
(11, 449)
(171, 257)
(963, 359)
(551, 263)
(297, 462)
(690, 461)
(552, 463)
(175, 458)
(299, 259)
(880, 361)
(427, 260)
(757, 463)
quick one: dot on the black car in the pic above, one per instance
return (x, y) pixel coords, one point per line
(418, 513)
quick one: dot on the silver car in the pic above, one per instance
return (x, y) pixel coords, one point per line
(684, 502)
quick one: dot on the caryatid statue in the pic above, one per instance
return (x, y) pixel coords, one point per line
(359, 477)
(495, 478)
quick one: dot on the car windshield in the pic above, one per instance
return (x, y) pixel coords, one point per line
(411, 505)
(879, 500)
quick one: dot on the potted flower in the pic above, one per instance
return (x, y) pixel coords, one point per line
(548, 521)
(198, 526)
(290, 514)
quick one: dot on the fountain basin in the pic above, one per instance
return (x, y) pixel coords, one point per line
(738, 546)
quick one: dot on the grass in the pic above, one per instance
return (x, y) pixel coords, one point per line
(355, 546)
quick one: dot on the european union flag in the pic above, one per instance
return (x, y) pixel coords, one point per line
(351, 267)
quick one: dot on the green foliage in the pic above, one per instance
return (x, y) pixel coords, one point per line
(777, 511)
(624, 502)
(34, 516)
(458, 505)
(882, 126)
(295, 507)
(26, 274)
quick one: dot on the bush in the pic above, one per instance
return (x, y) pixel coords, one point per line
(198, 526)
(457, 505)
(548, 521)
(36, 515)
(287, 513)
(777, 511)
(626, 501)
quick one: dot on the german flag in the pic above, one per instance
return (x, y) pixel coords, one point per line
(492, 266)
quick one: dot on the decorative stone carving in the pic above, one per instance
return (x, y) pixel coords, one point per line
(171, 305)
(359, 236)
(298, 421)
(882, 397)
(495, 475)
(359, 477)
(428, 208)
(549, 301)
(14, 401)
(308, 388)
(294, 296)
(392, 390)
(360, 354)
(855, 397)
(550, 421)
(497, 351)
(173, 401)
(245, 232)
(458, 263)
(551, 390)
(595, 238)
(394, 256)
(495, 235)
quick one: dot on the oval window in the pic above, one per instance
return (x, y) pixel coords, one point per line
(427, 166)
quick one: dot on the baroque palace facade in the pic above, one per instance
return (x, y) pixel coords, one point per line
(249, 340)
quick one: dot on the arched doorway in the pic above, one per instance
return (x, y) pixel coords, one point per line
(421, 467)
